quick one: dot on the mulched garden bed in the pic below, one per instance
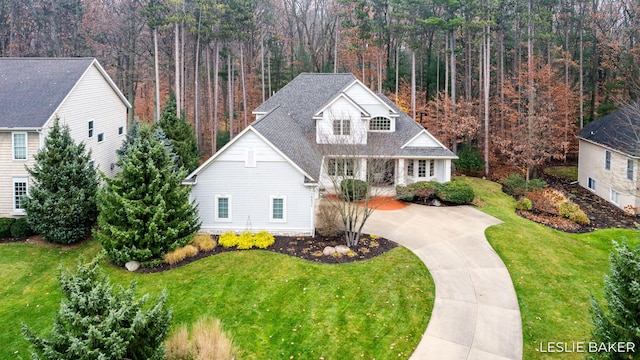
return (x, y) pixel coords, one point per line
(601, 213)
(307, 248)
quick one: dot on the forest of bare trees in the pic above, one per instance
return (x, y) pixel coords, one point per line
(513, 78)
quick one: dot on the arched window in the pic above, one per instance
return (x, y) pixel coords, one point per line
(380, 123)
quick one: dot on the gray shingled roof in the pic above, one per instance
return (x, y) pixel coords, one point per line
(31, 89)
(619, 130)
(289, 124)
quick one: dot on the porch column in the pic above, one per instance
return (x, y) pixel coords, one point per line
(447, 170)
(400, 178)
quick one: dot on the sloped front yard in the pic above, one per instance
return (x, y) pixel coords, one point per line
(554, 273)
(272, 305)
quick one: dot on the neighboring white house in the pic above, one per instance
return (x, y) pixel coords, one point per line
(608, 157)
(35, 91)
(269, 176)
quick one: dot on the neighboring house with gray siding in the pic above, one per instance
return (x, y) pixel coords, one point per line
(35, 91)
(270, 176)
(608, 157)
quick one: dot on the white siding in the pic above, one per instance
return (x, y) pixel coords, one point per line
(94, 99)
(591, 165)
(423, 140)
(341, 109)
(367, 100)
(251, 190)
(10, 169)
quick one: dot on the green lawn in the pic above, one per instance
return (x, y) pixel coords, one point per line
(553, 272)
(272, 305)
(563, 172)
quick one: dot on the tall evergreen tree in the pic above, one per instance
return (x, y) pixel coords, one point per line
(180, 135)
(96, 321)
(144, 211)
(62, 202)
(621, 320)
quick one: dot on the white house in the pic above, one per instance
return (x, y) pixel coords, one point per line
(35, 91)
(269, 177)
(608, 157)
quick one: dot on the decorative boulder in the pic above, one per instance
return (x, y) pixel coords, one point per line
(342, 249)
(436, 202)
(132, 265)
(329, 250)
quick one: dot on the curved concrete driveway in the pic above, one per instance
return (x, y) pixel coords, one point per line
(476, 313)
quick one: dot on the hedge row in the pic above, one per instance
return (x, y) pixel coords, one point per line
(14, 228)
(453, 192)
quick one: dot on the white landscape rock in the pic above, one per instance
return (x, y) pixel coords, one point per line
(132, 265)
(329, 250)
(342, 249)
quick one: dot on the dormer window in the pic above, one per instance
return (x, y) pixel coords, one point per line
(380, 123)
(342, 127)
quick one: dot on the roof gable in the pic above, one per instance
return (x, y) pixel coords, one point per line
(32, 89)
(221, 153)
(423, 139)
(341, 96)
(619, 131)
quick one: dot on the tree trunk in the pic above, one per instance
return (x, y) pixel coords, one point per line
(177, 66)
(156, 74)
(210, 97)
(244, 90)
(230, 93)
(413, 85)
(196, 85)
(216, 80)
(262, 67)
(487, 82)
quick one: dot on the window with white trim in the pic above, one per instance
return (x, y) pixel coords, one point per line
(101, 137)
(607, 160)
(432, 167)
(410, 168)
(19, 145)
(341, 127)
(340, 167)
(380, 123)
(121, 130)
(630, 169)
(591, 184)
(90, 129)
(223, 208)
(422, 168)
(278, 209)
(20, 191)
(615, 197)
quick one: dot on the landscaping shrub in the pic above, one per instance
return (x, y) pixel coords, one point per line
(327, 220)
(178, 346)
(175, 256)
(546, 200)
(5, 227)
(190, 250)
(524, 204)
(228, 239)
(469, 160)
(98, 320)
(21, 229)
(263, 240)
(580, 218)
(516, 185)
(456, 192)
(207, 341)
(204, 242)
(403, 193)
(354, 189)
(566, 209)
(245, 241)
(425, 194)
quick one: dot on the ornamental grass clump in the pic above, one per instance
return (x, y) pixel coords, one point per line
(204, 242)
(205, 341)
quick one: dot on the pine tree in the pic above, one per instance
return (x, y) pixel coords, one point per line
(62, 202)
(96, 321)
(180, 135)
(621, 321)
(144, 210)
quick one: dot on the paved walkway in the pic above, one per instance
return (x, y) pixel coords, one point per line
(476, 313)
